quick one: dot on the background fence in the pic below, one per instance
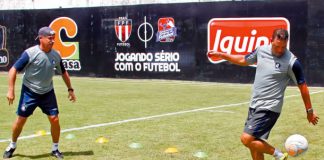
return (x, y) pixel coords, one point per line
(94, 46)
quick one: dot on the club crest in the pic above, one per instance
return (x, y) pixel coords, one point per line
(123, 28)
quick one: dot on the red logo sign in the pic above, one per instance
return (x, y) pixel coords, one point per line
(241, 36)
(123, 28)
(166, 30)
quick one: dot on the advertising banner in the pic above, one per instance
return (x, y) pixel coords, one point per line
(158, 41)
(4, 55)
(240, 36)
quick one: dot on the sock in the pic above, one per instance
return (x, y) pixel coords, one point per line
(12, 144)
(55, 146)
(277, 153)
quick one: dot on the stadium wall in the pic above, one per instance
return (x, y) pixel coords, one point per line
(50, 4)
(164, 41)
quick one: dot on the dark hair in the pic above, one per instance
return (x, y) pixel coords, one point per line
(280, 34)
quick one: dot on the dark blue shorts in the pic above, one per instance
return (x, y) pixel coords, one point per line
(29, 100)
(260, 122)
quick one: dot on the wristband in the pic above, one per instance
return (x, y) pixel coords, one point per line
(70, 89)
(310, 110)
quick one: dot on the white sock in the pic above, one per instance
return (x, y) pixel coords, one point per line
(277, 153)
(12, 144)
(55, 146)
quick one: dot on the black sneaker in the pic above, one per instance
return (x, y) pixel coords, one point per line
(8, 152)
(57, 154)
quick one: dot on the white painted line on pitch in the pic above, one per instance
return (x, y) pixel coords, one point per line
(144, 118)
(181, 82)
(131, 120)
(219, 111)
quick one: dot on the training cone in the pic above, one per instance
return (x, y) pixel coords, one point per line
(70, 136)
(41, 133)
(171, 150)
(200, 154)
(102, 140)
(135, 145)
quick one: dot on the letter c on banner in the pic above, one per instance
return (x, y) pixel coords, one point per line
(71, 29)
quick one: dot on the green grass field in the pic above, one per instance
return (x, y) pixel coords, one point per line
(170, 117)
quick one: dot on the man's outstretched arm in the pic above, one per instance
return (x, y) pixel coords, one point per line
(235, 59)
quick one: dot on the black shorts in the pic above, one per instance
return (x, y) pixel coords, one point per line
(29, 100)
(260, 122)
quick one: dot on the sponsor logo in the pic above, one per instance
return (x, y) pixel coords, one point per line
(166, 30)
(23, 107)
(4, 54)
(4, 57)
(240, 36)
(37, 60)
(3, 36)
(277, 65)
(123, 30)
(68, 50)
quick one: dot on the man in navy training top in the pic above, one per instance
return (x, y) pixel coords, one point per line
(39, 64)
(276, 66)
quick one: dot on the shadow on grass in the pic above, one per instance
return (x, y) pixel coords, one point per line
(65, 154)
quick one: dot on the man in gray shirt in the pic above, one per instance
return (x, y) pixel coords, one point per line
(276, 66)
(39, 64)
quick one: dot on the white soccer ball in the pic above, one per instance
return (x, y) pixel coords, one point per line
(296, 145)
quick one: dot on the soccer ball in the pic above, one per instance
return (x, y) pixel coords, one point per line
(296, 144)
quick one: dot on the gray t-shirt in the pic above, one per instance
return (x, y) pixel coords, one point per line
(272, 77)
(39, 68)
